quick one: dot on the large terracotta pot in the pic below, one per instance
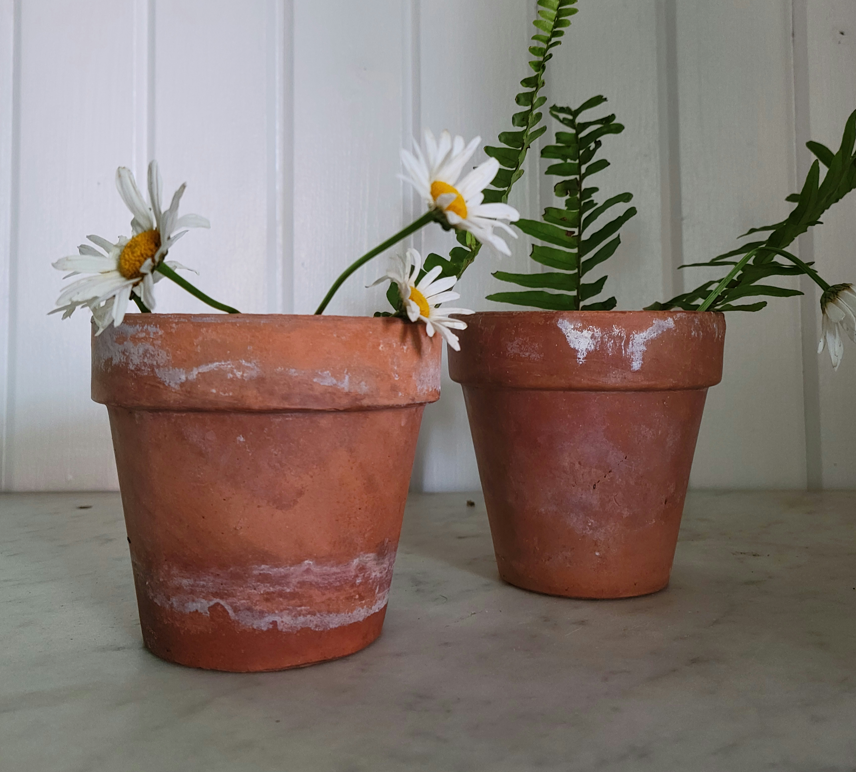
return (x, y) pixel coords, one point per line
(584, 425)
(264, 463)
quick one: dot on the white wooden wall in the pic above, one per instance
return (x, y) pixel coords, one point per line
(286, 118)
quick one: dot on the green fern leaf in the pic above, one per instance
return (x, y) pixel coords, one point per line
(566, 282)
(549, 301)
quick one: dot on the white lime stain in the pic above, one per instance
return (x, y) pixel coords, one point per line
(582, 339)
(639, 341)
(263, 597)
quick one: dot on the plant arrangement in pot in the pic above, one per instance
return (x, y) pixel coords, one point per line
(585, 419)
(264, 460)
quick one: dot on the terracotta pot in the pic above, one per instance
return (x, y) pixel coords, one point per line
(264, 463)
(584, 425)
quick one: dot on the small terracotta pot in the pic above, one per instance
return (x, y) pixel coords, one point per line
(264, 463)
(584, 425)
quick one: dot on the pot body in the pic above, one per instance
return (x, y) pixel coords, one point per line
(584, 426)
(264, 463)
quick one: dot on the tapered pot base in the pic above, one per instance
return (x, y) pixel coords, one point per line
(581, 592)
(211, 642)
(584, 426)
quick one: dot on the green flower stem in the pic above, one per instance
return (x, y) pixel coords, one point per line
(142, 306)
(434, 215)
(717, 291)
(806, 269)
(165, 270)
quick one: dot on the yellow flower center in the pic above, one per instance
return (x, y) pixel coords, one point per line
(139, 249)
(458, 205)
(417, 297)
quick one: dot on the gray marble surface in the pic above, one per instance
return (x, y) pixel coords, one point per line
(746, 662)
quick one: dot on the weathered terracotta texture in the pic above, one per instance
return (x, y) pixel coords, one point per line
(584, 425)
(264, 463)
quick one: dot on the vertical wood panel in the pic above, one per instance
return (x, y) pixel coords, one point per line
(832, 97)
(737, 156)
(8, 71)
(473, 56)
(348, 93)
(211, 124)
(280, 97)
(76, 117)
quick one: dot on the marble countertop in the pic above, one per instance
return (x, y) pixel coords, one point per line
(746, 662)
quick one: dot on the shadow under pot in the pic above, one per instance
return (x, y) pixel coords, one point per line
(264, 463)
(584, 426)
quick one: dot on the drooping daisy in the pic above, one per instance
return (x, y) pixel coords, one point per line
(422, 299)
(434, 172)
(838, 307)
(127, 267)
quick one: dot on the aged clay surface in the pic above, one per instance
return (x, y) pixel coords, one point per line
(264, 463)
(584, 425)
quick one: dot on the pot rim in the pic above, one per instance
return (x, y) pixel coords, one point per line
(591, 350)
(595, 314)
(220, 318)
(264, 363)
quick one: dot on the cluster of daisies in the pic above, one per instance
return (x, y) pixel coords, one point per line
(112, 274)
(434, 172)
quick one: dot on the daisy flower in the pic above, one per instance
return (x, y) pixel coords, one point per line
(838, 306)
(422, 299)
(127, 267)
(434, 172)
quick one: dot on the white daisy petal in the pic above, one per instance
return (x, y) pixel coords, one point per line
(133, 199)
(443, 297)
(455, 165)
(102, 242)
(155, 187)
(147, 292)
(85, 264)
(121, 304)
(496, 212)
(479, 178)
(192, 221)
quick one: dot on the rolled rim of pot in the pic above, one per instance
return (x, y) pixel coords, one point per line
(264, 362)
(591, 350)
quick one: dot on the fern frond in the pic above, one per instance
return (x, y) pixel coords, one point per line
(553, 17)
(757, 258)
(572, 251)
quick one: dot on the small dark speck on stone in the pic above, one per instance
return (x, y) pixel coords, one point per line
(85, 506)
(470, 503)
(841, 32)
(129, 539)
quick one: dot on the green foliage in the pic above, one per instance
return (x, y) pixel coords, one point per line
(553, 17)
(574, 250)
(756, 260)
